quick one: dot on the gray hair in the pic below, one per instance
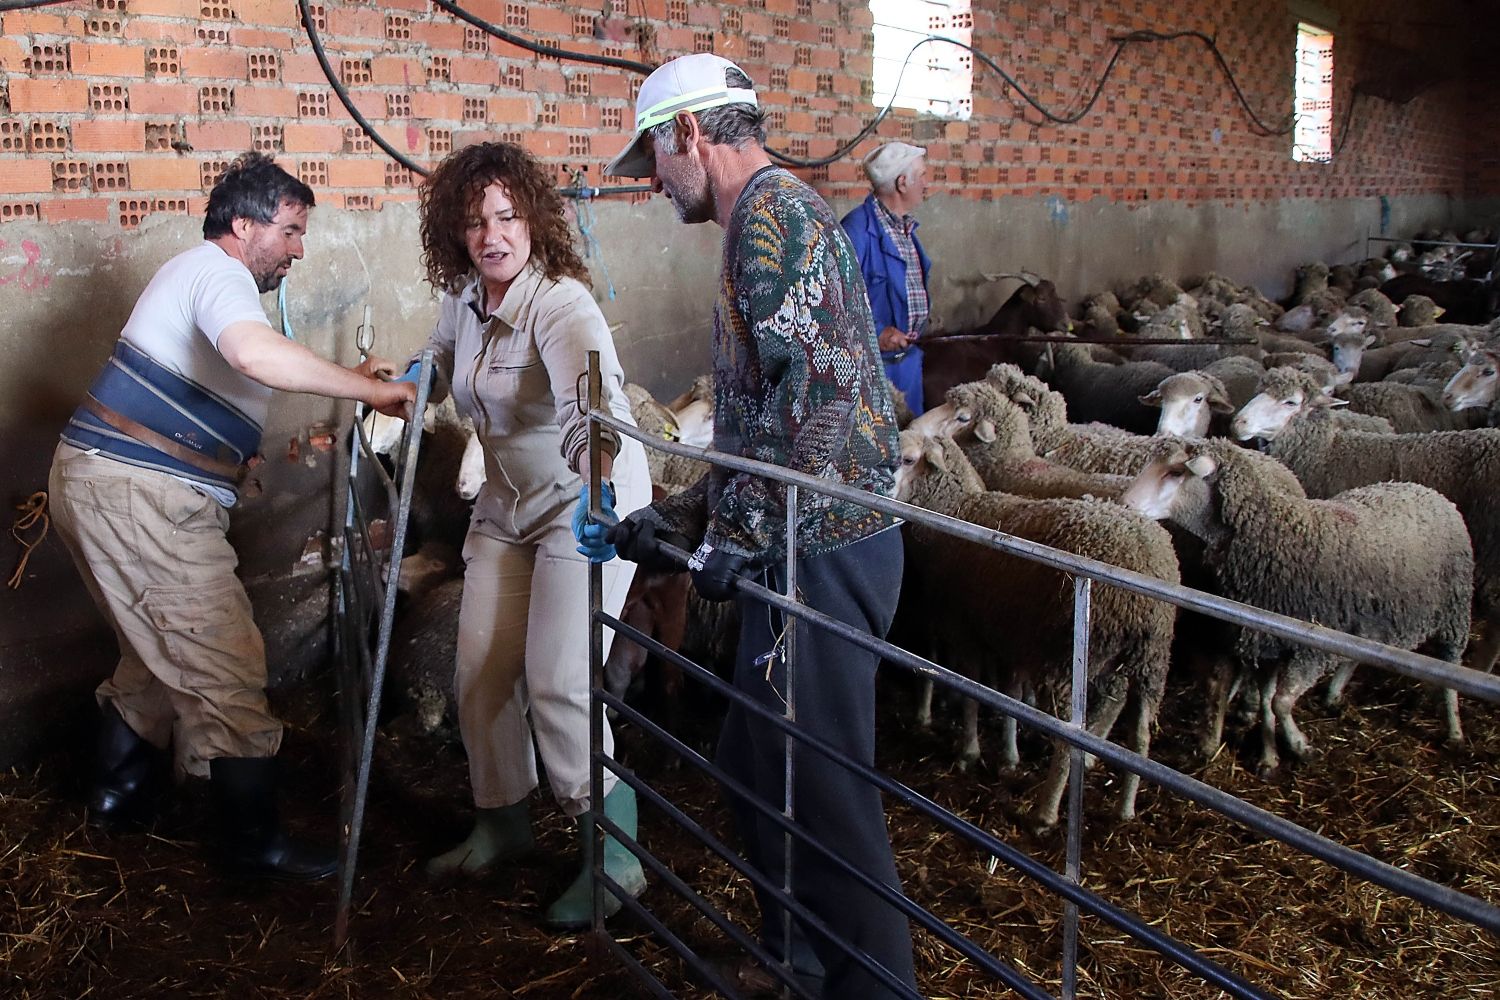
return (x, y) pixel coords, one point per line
(727, 125)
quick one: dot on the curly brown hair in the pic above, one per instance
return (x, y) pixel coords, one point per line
(453, 192)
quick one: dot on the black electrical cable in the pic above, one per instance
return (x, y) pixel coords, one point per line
(541, 48)
(6, 6)
(1345, 129)
(343, 95)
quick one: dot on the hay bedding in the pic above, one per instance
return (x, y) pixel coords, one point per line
(144, 914)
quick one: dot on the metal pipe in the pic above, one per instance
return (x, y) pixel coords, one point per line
(789, 745)
(703, 906)
(1060, 338)
(1438, 896)
(1088, 901)
(1423, 668)
(596, 649)
(604, 192)
(1078, 717)
(939, 928)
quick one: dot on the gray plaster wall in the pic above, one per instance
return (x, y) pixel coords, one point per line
(66, 290)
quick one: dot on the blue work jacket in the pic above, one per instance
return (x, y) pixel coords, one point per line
(885, 280)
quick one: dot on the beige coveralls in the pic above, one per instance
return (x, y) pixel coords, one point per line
(523, 624)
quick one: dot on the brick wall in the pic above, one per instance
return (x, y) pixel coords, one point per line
(117, 109)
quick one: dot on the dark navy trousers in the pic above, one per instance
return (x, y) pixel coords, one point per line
(835, 700)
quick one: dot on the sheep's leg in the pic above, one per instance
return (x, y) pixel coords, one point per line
(1103, 712)
(1141, 744)
(1010, 750)
(1450, 716)
(1300, 675)
(1270, 759)
(1219, 683)
(968, 751)
(1486, 649)
(1334, 696)
(924, 705)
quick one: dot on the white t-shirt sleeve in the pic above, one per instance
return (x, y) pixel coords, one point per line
(224, 295)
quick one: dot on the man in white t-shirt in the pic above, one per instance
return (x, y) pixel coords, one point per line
(140, 489)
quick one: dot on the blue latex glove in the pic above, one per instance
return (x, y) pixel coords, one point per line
(590, 534)
(411, 374)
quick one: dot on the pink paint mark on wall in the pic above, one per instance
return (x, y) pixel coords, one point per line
(31, 276)
(413, 138)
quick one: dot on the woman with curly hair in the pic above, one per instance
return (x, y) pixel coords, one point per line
(512, 338)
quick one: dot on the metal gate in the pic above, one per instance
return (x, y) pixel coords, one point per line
(365, 612)
(1074, 898)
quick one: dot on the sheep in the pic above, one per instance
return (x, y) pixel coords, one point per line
(996, 439)
(1107, 393)
(1474, 384)
(658, 420)
(1337, 562)
(1440, 343)
(1464, 466)
(1288, 387)
(1188, 402)
(962, 584)
(1239, 375)
(1089, 448)
(1410, 409)
(1380, 310)
(1312, 280)
(1420, 311)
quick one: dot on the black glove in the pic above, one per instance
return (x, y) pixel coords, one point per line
(637, 539)
(714, 572)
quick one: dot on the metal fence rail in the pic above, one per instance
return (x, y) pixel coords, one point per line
(365, 606)
(1066, 884)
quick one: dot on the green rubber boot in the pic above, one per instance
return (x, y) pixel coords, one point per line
(573, 910)
(502, 834)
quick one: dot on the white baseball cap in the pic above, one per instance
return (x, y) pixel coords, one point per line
(687, 83)
(890, 160)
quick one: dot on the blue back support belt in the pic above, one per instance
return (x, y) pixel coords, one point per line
(143, 414)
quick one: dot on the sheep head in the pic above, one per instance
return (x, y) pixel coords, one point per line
(978, 411)
(933, 468)
(1172, 488)
(1046, 410)
(1325, 372)
(1474, 384)
(1284, 393)
(1188, 401)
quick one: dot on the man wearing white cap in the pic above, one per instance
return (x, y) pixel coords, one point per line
(797, 383)
(892, 260)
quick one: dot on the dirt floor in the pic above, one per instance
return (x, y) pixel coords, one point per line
(146, 914)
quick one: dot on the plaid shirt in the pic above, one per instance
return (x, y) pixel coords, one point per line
(900, 230)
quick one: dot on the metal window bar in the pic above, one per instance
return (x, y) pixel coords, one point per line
(1075, 733)
(364, 598)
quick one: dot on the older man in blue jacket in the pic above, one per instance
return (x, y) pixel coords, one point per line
(893, 263)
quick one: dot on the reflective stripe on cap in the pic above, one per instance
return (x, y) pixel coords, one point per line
(698, 100)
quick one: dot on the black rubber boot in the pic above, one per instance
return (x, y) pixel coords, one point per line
(125, 784)
(254, 844)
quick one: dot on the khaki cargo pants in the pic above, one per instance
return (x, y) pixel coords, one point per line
(153, 553)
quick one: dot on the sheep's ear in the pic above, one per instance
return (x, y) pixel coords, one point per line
(1218, 399)
(1370, 340)
(1152, 398)
(1202, 466)
(932, 451)
(1424, 342)
(1437, 313)
(985, 430)
(1024, 400)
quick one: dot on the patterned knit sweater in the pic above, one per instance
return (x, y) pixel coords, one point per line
(797, 380)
